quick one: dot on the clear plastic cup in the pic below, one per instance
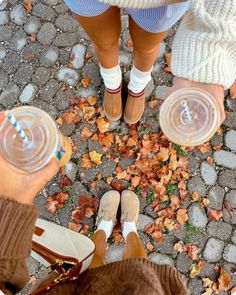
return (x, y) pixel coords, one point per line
(45, 140)
(189, 116)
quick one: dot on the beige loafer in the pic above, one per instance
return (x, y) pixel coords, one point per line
(112, 104)
(134, 107)
(129, 207)
(108, 207)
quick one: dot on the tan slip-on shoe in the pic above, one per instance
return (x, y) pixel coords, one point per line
(134, 107)
(112, 104)
(108, 207)
(129, 207)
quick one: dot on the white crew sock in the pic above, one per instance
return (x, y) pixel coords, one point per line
(106, 226)
(112, 77)
(128, 227)
(139, 80)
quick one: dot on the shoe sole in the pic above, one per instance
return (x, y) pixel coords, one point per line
(132, 122)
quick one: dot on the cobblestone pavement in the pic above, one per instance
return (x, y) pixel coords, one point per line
(35, 50)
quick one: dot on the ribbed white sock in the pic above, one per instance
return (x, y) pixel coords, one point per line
(106, 226)
(128, 227)
(112, 77)
(139, 80)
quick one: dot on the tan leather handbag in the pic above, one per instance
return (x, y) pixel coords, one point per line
(65, 253)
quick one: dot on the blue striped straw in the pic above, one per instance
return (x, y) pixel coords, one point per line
(187, 114)
(17, 126)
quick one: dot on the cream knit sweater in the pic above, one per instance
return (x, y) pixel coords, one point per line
(204, 49)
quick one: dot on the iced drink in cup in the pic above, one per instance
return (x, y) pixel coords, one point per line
(44, 140)
(189, 116)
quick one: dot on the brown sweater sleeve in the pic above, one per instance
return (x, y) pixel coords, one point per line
(16, 229)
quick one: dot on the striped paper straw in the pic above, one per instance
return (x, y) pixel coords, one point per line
(187, 114)
(17, 126)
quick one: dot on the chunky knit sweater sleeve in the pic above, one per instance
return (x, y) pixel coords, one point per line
(16, 229)
(204, 49)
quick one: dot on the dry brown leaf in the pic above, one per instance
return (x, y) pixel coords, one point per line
(214, 214)
(86, 162)
(106, 139)
(149, 246)
(122, 175)
(179, 247)
(92, 100)
(152, 103)
(224, 280)
(27, 5)
(147, 147)
(204, 148)
(88, 112)
(182, 215)
(103, 125)
(208, 291)
(85, 81)
(196, 269)
(195, 196)
(109, 179)
(135, 181)
(192, 251)
(85, 132)
(233, 91)
(95, 157)
(69, 117)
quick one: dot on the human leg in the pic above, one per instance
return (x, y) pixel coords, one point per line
(133, 247)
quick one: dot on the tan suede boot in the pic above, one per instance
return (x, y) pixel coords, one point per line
(112, 104)
(134, 107)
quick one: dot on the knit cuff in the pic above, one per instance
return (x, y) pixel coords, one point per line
(16, 228)
(203, 56)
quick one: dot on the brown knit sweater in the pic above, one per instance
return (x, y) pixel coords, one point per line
(132, 276)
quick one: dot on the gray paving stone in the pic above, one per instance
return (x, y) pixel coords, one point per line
(167, 247)
(67, 129)
(217, 139)
(49, 90)
(202, 156)
(18, 15)
(149, 89)
(161, 259)
(124, 59)
(18, 41)
(149, 211)
(77, 189)
(28, 93)
(11, 62)
(3, 4)
(230, 253)
(44, 12)
(68, 76)
(71, 170)
(197, 216)
(31, 52)
(231, 104)
(230, 120)
(65, 40)
(126, 162)
(95, 146)
(78, 51)
(92, 71)
(5, 33)
(213, 250)
(66, 23)
(219, 229)
(216, 197)
(227, 178)
(229, 217)
(32, 25)
(9, 96)
(61, 8)
(100, 189)
(64, 55)
(62, 100)
(231, 198)
(3, 79)
(194, 164)
(83, 92)
(3, 52)
(208, 173)
(225, 159)
(51, 2)
(183, 262)
(114, 253)
(233, 236)
(4, 18)
(41, 76)
(49, 57)
(107, 167)
(52, 110)
(23, 74)
(195, 286)
(143, 221)
(161, 91)
(208, 271)
(230, 140)
(46, 34)
(195, 184)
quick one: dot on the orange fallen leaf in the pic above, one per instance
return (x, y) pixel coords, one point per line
(152, 103)
(149, 246)
(85, 132)
(214, 214)
(204, 148)
(103, 125)
(88, 112)
(69, 117)
(233, 91)
(95, 157)
(86, 162)
(135, 181)
(122, 175)
(224, 280)
(182, 215)
(106, 139)
(179, 247)
(129, 43)
(92, 100)
(168, 62)
(196, 269)
(85, 81)
(27, 5)
(217, 147)
(195, 196)
(147, 147)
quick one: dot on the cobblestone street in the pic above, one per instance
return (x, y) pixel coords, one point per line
(37, 68)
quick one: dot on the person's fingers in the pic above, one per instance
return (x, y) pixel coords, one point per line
(2, 116)
(48, 171)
